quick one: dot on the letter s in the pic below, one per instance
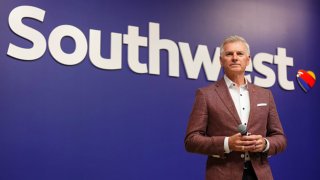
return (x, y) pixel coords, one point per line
(258, 65)
(16, 25)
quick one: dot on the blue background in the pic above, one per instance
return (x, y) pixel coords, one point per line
(81, 122)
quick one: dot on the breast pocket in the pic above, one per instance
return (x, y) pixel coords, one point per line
(261, 111)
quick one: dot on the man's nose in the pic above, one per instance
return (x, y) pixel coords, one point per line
(234, 57)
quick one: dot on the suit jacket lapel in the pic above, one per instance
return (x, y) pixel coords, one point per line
(224, 94)
(253, 101)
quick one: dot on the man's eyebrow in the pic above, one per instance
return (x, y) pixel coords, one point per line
(229, 52)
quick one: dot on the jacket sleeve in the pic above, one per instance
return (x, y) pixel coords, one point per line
(196, 139)
(275, 134)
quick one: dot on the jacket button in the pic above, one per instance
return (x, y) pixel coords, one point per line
(242, 155)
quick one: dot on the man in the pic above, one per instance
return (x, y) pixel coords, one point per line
(218, 111)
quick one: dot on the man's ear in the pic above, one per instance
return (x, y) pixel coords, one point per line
(249, 59)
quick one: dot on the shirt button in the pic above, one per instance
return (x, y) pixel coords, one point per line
(240, 94)
(242, 155)
(242, 108)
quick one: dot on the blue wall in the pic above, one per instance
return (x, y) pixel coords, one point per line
(82, 122)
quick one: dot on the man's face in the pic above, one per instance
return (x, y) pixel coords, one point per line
(235, 58)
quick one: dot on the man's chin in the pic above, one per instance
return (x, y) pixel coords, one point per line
(236, 70)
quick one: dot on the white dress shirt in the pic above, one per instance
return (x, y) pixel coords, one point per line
(241, 100)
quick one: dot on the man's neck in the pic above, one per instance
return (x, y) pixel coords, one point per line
(237, 78)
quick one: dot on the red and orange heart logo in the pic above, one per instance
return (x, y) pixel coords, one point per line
(306, 79)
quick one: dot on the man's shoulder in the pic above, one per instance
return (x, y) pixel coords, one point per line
(259, 89)
(208, 87)
(211, 87)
